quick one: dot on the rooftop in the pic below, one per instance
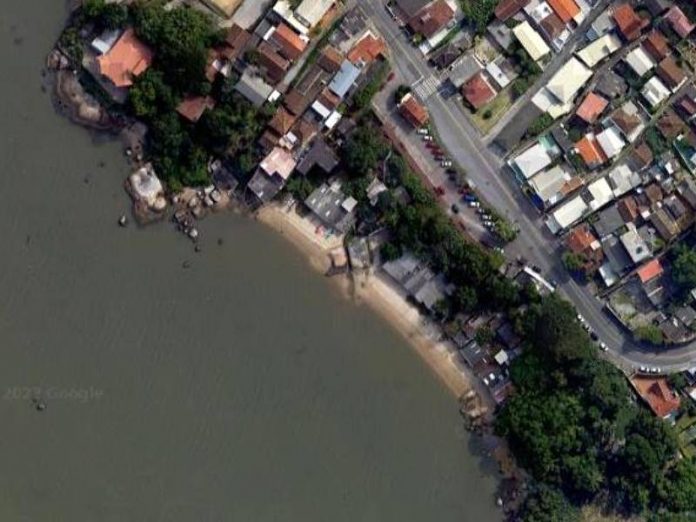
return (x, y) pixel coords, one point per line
(679, 21)
(413, 111)
(567, 10)
(650, 271)
(478, 91)
(628, 22)
(431, 19)
(591, 107)
(657, 394)
(127, 59)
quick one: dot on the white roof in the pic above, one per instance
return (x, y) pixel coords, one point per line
(569, 80)
(501, 357)
(639, 61)
(655, 91)
(283, 9)
(332, 120)
(601, 193)
(548, 184)
(611, 141)
(106, 40)
(567, 214)
(532, 42)
(601, 48)
(548, 103)
(622, 179)
(311, 12)
(321, 109)
(498, 75)
(533, 160)
(634, 245)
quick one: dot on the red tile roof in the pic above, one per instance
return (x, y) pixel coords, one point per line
(273, 63)
(656, 45)
(679, 22)
(128, 58)
(591, 107)
(367, 50)
(650, 271)
(670, 73)
(413, 111)
(657, 394)
(330, 59)
(590, 151)
(290, 44)
(236, 41)
(477, 91)
(282, 121)
(509, 8)
(193, 107)
(566, 10)
(628, 22)
(431, 19)
(580, 239)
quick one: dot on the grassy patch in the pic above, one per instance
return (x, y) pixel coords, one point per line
(487, 116)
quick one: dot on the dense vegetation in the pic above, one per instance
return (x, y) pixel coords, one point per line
(479, 13)
(574, 426)
(684, 269)
(179, 150)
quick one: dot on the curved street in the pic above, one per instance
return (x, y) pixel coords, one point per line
(484, 168)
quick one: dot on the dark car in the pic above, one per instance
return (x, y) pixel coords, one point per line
(455, 208)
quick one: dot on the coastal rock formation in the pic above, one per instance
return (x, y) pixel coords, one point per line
(79, 106)
(147, 192)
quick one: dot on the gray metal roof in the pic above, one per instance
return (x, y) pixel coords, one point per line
(344, 79)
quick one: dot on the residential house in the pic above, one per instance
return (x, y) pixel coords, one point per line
(569, 79)
(103, 43)
(311, 12)
(640, 157)
(273, 65)
(566, 10)
(553, 185)
(531, 41)
(344, 79)
(502, 71)
(679, 22)
(601, 26)
(608, 222)
(567, 214)
(432, 19)
(368, 49)
(534, 159)
(506, 9)
(656, 45)
(628, 209)
(670, 124)
(408, 8)
(555, 30)
(599, 49)
(656, 393)
(193, 107)
(687, 190)
(629, 120)
(424, 286)
(412, 111)
(591, 153)
(622, 179)
(585, 245)
(253, 87)
(665, 225)
(635, 245)
(478, 91)
(290, 44)
(686, 104)
(611, 142)
(330, 59)
(466, 67)
(272, 174)
(671, 74)
(591, 107)
(639, 61)
(628, 23)
(127, 59)
(282, 122)
(332, 207)
(611, 85)
(655, 92)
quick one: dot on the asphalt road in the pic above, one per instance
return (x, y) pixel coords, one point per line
(496, 186)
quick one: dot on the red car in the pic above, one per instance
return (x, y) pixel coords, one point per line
(439, 191)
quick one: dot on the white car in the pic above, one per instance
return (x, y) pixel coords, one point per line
(474, 204)
(603, 346)
(446, 163)
(427, 138)
(424, 131)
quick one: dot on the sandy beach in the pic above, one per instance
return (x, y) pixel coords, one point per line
(379, 293)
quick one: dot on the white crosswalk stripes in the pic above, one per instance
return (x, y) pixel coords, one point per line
(426, 87)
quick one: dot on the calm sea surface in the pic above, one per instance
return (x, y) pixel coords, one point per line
(243, 388)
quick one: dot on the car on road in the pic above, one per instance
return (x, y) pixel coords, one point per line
(603, 346)
(427, 138)
(536, 269)
(446, 163)
(474, 204)
(455, 208)
(470, 197)
(439, 191)
(423, 130)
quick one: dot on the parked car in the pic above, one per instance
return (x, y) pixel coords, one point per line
(427, 138)
(470, 197)
(446, 163)
(455, 208)
(423, 130)
(603, 346)
(439, 191)
(474, 204)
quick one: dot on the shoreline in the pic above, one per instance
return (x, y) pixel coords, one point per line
(372, 289)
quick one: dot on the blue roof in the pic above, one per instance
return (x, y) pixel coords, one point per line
(344, 79)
